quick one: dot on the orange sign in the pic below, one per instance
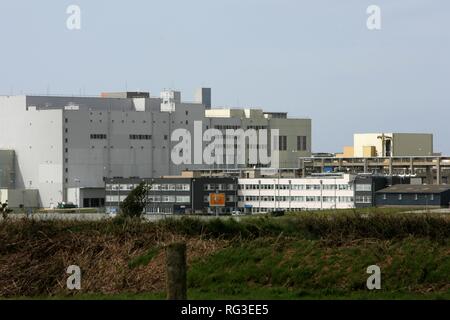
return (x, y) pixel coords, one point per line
(217, 199)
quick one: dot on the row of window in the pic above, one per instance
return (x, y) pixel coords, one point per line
(219, 187)
(294, 209)
(169, 199)
(340, 199)
(257, 127)
(170, 210)
(140, 137)
(152, 198)
(98, 136)
(416, 197)
(227, 127)
(296, 186)
(132, 137)
(363, 187)
(363, 199)
(231, 187)
(152, 187)
(281, 144)
(228, 198)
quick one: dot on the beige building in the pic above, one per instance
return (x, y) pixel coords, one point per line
(366, 145)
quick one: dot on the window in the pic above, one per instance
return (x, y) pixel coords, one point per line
(166, 137)
(98, 136)
(154, 187)
(363, 199)
(282, 143)
(183, 199)
(166, 199)
(301, 143)
(140, 137)
(363, 187)
(345, 199)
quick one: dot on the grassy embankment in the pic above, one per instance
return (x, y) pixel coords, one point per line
(299, 256)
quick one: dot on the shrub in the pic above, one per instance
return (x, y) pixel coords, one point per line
(134, 204)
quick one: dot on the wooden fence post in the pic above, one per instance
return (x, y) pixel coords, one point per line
(176, 282)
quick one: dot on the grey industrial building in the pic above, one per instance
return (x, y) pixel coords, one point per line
(366, 186)
(414, 196)
(66, 147)
(175, 194)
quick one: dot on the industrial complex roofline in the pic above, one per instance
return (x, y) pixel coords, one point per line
(433, 169)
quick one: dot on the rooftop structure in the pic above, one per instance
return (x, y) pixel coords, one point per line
(389, 145)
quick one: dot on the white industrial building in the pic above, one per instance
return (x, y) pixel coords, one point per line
(296, 194)
(65, 147)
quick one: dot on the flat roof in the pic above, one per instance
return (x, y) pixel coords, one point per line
(415, 188)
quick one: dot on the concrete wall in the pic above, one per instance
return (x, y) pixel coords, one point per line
(36, 138)
(412, 144)
(293, 128)
(7, 173)
(20, 197)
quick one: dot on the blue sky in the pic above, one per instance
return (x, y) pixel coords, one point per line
(313, 59)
